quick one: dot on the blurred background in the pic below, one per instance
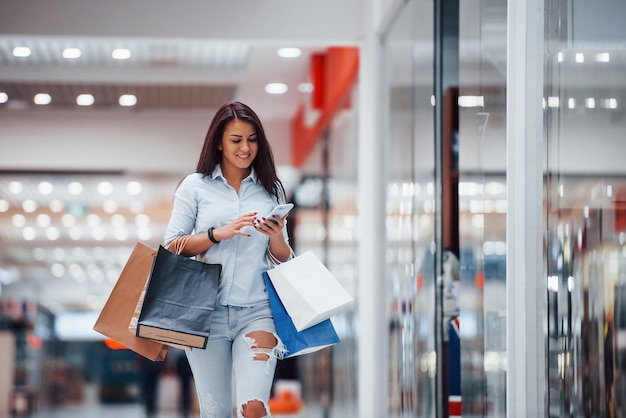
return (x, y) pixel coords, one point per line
(104, 107)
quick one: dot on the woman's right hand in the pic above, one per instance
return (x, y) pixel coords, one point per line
(235, 227)
(200, 242)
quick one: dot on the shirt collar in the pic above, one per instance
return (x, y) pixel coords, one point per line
(217, 172)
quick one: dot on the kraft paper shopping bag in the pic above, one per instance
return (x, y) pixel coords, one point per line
(308, 290)
(119, 308)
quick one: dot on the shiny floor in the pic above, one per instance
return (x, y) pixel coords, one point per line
(101, 411)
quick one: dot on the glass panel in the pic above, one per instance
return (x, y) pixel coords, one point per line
(326, 224)
(410, 213)
(482, 206)
(585, 183)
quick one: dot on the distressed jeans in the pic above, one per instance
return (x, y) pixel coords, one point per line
(231, 348)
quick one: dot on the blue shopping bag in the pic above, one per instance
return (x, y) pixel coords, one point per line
(297, 342)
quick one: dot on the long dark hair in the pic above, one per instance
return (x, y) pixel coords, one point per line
(263, 164)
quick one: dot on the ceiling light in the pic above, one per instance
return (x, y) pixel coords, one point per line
(276, 88)
(68, 220)
(553, 101)
(109, 206)
(43, 220)
(56, 205)
(471, 101)
(610, 103)
(85, 100)
(133, 188)
(42, 99)
(18, 220)
(289, 52)
(3, 97)
(29, 233)
(75, 233)
(75, 188)
(52, 233)
(128, 100)
(4, 205)
(21, 51)
(71, 53)
(105, 188)
(45, 187)
(15, 187)
(580, 57)
(571, 103)
(603, 57)
(590, 103)
(29, 206)
(142, 220)
(57, 270)
(121, 54)
(93, 220)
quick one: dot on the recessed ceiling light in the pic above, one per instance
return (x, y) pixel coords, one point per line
(15, 187)
(121, 54)
(105, 188)
(71, 53)
(133, 188)
(85, 100)
(45, 187)
(127, 100)
(42, 99)
(276, 88)
(75, 188)
(21, 51)
(603, 57)
(289, 52)
(3, 97)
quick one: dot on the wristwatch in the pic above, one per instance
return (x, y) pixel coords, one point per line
(211, 237)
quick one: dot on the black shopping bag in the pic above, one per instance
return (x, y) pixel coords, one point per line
(179, 300)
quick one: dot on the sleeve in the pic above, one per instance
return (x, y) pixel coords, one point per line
(184, 211)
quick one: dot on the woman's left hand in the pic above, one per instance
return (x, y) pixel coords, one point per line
(270, 227)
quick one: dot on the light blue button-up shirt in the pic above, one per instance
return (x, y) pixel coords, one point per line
(201, 202)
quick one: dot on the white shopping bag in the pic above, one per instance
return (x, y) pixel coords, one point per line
(309, 292)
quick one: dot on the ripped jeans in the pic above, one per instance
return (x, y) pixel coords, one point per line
(244, 340)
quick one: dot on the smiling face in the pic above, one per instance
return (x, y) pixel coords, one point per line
(239, 147)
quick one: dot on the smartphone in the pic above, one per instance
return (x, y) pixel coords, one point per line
(280, 211)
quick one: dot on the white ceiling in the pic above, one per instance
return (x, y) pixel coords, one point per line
(187, 58)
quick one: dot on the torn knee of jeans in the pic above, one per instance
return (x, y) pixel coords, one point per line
(254, 409)
(267, 349)
(208, 405)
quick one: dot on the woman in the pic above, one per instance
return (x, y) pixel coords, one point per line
(218, 205)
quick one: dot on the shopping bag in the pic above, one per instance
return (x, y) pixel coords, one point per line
(132, 327)
(179, 300)
(176, 245)
(296, 342)
(119, 307)
(309, 292)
